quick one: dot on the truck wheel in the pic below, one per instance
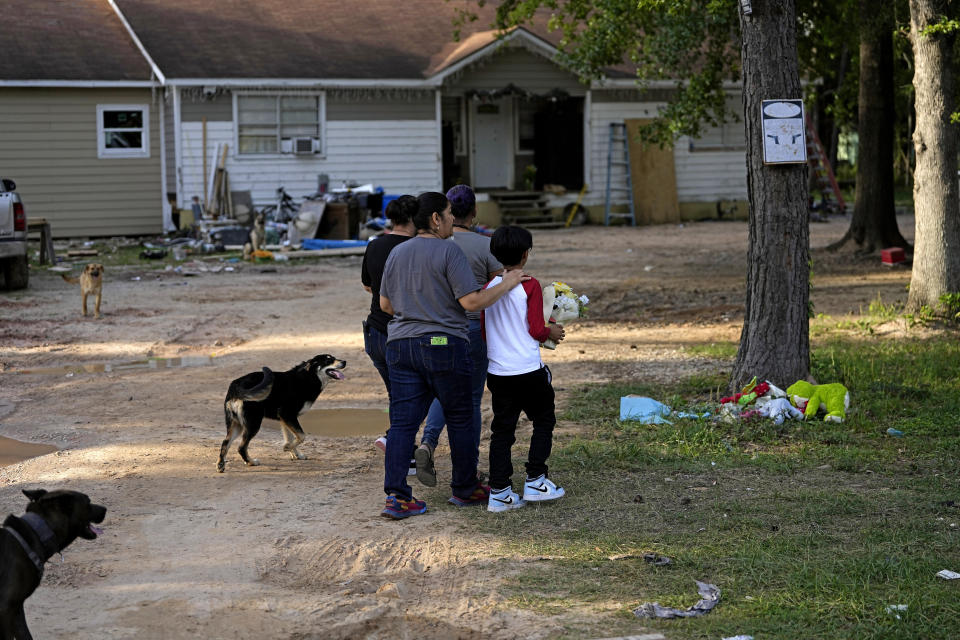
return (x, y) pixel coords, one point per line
(16, 272)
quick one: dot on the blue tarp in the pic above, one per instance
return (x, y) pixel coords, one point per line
(643, 409)
(319, 243)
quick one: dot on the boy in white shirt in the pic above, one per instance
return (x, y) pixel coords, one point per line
(518, 380)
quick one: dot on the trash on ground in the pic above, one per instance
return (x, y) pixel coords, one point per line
(896, 433)
(643, 409)
(709, 597)
(894, 608)
(656, 560)
(946, 574)
(740, 637)
(650, 411)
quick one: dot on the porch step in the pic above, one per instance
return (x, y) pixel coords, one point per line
(542, 219)
(526, 208)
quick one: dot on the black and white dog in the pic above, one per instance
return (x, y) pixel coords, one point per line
(276, 395)
(53, 520)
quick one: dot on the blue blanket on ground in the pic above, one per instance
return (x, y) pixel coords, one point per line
(319, 243)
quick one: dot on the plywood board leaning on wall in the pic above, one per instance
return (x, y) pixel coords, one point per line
(654, 179)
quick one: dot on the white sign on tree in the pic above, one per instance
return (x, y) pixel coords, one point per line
(784, 136)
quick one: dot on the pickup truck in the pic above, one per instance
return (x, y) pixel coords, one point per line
(13, 237)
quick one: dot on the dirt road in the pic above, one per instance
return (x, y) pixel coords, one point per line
(297, 548)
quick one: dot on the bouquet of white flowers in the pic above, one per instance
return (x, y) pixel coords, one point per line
(561, 305)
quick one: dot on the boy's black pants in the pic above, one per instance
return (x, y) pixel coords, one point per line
(532, 394)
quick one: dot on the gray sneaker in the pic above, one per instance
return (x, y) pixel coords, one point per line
(426, 474)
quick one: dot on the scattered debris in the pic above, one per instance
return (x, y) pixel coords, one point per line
(656, 560)
(650, 411)
(946, 574)
(740, 637)
(709, 597)
(643, 409)
(894, 608)
(896, 433)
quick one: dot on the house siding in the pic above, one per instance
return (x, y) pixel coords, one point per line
(416, 107)
(706, 171)
(194, 107)
(50, 150)
(519, 67)
(402, 156)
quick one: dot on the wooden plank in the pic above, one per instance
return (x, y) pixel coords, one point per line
(653, 177)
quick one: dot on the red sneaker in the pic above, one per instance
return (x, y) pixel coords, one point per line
(398, 508)
(480, 495)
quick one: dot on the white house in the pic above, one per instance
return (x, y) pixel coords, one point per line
(370, 92)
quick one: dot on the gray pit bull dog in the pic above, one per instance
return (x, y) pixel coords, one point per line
(53, 520)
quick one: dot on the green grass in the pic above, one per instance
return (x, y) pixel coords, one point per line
(809, 529)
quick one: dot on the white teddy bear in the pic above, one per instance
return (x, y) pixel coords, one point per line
(779, 409)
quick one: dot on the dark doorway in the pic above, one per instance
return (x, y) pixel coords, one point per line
(558, 143)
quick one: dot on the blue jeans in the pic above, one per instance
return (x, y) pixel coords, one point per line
(421, 369)
(375, 344)
(435, 418)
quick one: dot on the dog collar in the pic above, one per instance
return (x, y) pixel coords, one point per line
(9, 527)
(47, 538)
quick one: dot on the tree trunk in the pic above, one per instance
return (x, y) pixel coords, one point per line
(834, 135)
(874, 223)
(936, 256)
(775, 341)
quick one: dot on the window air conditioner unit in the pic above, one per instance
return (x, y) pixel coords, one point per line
(305, 146)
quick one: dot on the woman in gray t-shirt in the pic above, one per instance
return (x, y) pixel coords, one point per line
(463, 204)
(428, 287)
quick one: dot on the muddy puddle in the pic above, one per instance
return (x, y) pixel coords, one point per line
(146, 364)
(14, 451)
(341, 423)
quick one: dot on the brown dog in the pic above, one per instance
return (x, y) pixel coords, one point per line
(91, 283)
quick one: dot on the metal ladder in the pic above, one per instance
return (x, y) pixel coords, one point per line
(618, 138)
(820, 169)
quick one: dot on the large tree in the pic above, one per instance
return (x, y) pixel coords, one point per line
(690, 41)
(775, 341)
(873, 225)
(936, 256)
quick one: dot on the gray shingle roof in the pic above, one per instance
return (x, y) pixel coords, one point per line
(67, 40)
(309, 39)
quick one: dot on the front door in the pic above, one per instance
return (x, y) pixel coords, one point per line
(492, 144)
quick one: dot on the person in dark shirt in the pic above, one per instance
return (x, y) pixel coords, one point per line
(400, 212)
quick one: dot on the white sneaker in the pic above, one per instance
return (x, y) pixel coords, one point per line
(412, 471)
(504, 500)
(381, 443)
(540, 489)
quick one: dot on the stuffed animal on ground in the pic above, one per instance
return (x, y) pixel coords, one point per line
(779, 409)
(832, 398)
